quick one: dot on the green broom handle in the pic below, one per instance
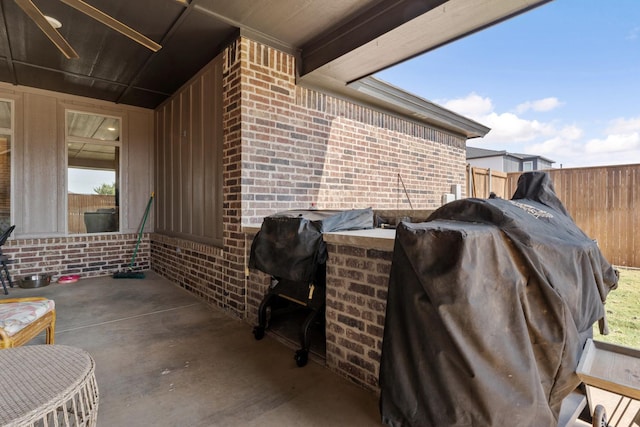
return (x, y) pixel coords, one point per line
(144, 221)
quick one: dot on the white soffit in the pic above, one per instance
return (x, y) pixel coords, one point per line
(443, 24)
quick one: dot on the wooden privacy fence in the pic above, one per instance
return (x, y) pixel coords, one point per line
(482, 182)
(603, 201)
(81, 203)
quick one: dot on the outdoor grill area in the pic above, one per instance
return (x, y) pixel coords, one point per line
(359, 267)
(266, 113)
(290, 248)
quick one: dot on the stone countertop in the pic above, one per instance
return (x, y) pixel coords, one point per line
(374, 238)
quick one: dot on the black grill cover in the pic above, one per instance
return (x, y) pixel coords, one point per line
(489, 305)
(289, 244)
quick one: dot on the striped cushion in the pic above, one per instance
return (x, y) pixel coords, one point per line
(14, 316)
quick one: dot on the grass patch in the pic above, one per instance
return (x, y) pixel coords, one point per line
(623, 311)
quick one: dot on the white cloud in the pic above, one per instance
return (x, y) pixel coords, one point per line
(633, 33)
(509, 128)
(568, 149)
(614, 143)
(622, 125)
(563, 148)
(552, 146)
(566, 144)
(540, 105)
(506, 128)
(473, 106)
(571, 132)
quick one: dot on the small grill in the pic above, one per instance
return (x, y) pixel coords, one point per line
(290, 248)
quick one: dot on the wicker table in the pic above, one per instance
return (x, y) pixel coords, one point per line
(47, 385)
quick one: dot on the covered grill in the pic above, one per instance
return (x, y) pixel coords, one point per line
(490, 303)
(290, 248)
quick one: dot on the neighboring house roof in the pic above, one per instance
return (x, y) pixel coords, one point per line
(479, 153)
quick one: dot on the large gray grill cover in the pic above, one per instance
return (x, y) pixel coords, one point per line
(490, 303)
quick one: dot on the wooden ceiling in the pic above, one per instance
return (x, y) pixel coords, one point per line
(337, 41)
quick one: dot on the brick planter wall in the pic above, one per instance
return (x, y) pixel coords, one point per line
(88, 256)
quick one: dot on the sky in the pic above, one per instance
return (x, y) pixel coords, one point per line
(561, 81)
(84, 181)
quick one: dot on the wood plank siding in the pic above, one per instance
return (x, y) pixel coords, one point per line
(39, 205)
(189, 159)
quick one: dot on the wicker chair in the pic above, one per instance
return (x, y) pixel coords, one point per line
(22, 319)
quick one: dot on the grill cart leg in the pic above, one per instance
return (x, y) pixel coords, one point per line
(263, 318)
(302, 356)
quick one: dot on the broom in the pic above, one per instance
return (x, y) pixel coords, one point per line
(129, 273)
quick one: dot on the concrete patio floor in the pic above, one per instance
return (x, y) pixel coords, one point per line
(164, 358)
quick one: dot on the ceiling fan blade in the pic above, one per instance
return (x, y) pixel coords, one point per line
(36, 16)
(107, 20)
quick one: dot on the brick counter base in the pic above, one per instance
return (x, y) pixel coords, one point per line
(357, 283)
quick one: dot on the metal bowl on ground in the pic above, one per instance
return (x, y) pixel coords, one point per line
(35, 281)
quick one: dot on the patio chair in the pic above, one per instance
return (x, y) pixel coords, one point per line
(22, 319)
(4, 260)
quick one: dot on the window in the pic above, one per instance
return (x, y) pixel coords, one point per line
(527, 166)
(6, 133)
(93, 172)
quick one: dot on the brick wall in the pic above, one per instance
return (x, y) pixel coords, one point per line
(301, 146)
(193, 266)
(232, 262)
(216, 274)
(357, 283)
(286, 147)
(356, 301)
(89, 256)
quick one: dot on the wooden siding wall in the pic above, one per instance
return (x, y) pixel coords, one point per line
(189, 159)
(39, 178)
(213, 270)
